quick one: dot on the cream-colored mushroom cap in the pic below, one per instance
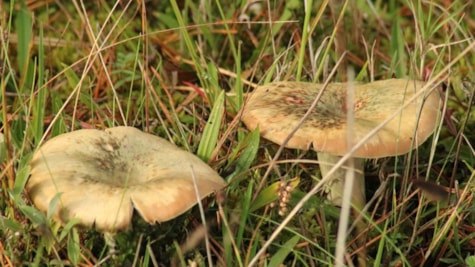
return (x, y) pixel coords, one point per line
(102, 176)
(278, 107)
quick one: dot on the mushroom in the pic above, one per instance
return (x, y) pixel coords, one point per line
(277, 109)
(102, 176)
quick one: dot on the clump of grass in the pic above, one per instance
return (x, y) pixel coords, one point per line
(182, 71)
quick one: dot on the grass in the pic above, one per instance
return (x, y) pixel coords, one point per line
(181, 70)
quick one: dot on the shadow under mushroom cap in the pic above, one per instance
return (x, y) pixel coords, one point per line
(278, 107)
(102, 176)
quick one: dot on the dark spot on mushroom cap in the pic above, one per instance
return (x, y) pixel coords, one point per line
(292, 102)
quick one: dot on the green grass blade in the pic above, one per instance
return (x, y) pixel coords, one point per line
(244, 214)
(21, 178)
(40, 103)
(211, 131)
(189, 43)
(59, 126)
(279, 257)
(305, 34)
(24, 31)
(68, 227)
(381, 245)
(36, 216)
(74, 250)
(248, 150)
(399, 58)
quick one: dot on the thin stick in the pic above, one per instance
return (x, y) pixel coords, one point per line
(203, 218)
(349, 176)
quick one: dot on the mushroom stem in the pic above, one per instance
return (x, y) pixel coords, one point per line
(109, 239)
(335, 192)
(335, 186)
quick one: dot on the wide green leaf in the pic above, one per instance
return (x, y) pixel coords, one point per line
(279, 257)
(211, 131)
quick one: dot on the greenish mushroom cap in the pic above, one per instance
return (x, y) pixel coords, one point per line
(278, 107)
(101, 176)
